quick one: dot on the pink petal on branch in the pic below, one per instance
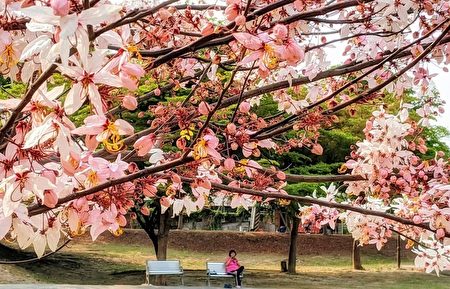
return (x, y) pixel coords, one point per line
(248, 40)
(144, 144)
(317, 149)
(60, 7)
(204, 108)
(129, 102)
(229, 164)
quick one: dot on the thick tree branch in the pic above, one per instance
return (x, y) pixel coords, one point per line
(278, 130)
(395, 76)
(310, 201)
(39, 209)
(384, 60)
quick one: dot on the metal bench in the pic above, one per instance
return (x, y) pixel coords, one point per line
(155, 268)
(218, 270)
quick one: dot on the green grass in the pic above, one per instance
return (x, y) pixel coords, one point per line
(114, 263)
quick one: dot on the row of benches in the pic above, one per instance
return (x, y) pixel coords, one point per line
(213, 270)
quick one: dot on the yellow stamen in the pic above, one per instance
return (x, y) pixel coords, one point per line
(134, 49)
(8, 56)
(113, 143)
(270, 59)
(92, 179)
(187, 134)
(200, 149)
(117, 232)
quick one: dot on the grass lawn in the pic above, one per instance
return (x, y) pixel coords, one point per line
(106, 263)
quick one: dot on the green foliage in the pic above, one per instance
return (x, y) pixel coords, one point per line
(337, 144)
(78, 117)
(12, 90)
(268, 107)
(303, 189)
(320, 168)
(434, 138)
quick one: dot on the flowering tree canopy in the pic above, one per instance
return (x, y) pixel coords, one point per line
(71, 160)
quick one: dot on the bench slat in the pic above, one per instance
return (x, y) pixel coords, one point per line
(164, 267)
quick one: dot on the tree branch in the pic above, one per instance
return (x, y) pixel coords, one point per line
(309, 201)
(39, 209)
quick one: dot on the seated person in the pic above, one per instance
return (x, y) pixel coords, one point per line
(233, 267)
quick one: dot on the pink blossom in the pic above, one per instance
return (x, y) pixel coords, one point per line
(105, 131)
(317, 149)
(129, 74)
(207, 29)
(207, 146)
(232, 11)
(280, 32)
(240, 20)
(60, 7)
(102, 221)
(292, 52)
(144, 144)
(229, 164)
(87, 76)
(204, 108)
(50, 198)
(244, 107)
(129, 102)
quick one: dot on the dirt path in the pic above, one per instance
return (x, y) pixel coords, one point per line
(12, 274)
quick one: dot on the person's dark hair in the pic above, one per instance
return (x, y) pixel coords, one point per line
(232, 251)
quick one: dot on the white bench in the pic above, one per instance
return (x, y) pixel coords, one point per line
(156, 268)
(218, 270)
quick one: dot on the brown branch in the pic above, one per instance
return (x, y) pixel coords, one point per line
(394, 77)
(322, 11)
(348, 84)
(310, 200)
(25, 100)
(223, 37)
(323, 178)
(200, 7)
(241, 93)
(150, 94)
(39, 209)
(283, 129)
(131, 17)
(213, 111)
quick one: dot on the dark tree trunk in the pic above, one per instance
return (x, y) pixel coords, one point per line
(399, 248)
(292, 262)
(163, 235)
(180, 222)
(356, 256)
(149, 227)
(324, 230)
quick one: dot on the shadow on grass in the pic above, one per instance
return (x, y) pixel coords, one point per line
(67, 268)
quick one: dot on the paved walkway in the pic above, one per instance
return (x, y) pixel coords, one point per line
(59, 286)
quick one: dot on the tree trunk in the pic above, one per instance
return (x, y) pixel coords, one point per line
(180, 222)
(163, 241)
(292, 262)
(324, 230)
(149, 228)
(356, 256)
(399, 258)
(163, 236)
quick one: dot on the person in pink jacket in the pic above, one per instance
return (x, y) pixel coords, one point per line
(233, 267)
